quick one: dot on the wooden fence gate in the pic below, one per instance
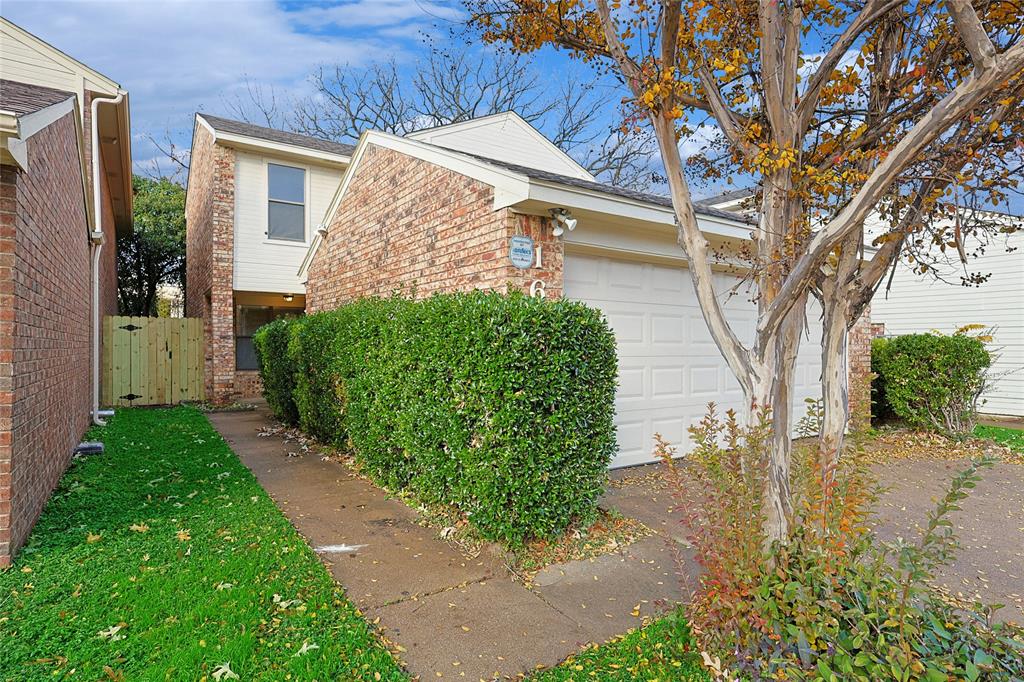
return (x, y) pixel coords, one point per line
(151, 360)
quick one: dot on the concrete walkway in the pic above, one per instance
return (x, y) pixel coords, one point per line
(454, 617)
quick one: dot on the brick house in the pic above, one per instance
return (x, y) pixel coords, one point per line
(490, 203)
(56, 278)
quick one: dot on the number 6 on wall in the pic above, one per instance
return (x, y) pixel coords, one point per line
(537, 288)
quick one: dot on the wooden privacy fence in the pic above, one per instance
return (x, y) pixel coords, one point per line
(151, 360)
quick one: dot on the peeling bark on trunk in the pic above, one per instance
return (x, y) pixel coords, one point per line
(778, 494)
(834, 381)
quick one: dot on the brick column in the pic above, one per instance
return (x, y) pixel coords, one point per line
(8, 206)
(222, 299)
(210, 218)
(859, 368)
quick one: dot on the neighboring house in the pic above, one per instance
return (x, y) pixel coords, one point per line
(254, 201)
(58, 267)
(920, 303)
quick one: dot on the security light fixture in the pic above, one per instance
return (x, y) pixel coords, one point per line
(562, 221)
(288, 297)
(322, 230)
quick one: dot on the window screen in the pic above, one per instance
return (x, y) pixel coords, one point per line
(287, 203)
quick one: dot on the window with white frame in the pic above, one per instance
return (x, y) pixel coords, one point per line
(286, 203)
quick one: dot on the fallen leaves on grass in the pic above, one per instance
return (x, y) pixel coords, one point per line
(224, 672)
(306, 648)
(907, 444)
(113, 633)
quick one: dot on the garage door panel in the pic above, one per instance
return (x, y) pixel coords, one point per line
(629, 327)
(669, 382)
(669, 366)
(626, 275)
(704, 381)
(632, 383)
(668, 328)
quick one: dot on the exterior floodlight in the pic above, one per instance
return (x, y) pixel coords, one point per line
(562, 221)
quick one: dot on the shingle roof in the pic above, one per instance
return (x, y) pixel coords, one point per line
(22, 98)
(731, 195)
(624, 192)
(226, 125)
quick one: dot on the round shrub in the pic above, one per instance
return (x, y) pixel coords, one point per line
(276, 368)
(499, 405)
(932, 381)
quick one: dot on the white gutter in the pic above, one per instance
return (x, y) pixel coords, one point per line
(96, 238)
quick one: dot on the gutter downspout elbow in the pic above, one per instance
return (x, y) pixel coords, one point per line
(96, 239)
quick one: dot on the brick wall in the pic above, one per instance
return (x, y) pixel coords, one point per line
(209, 247)
(409, 225)
(45, 342)
(859, 366)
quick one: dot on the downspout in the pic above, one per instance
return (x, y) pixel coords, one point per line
(96, 238)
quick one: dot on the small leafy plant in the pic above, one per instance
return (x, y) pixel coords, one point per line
(834, 602)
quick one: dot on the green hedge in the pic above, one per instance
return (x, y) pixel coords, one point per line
(500, 405)
(278, 373)
(929, 380)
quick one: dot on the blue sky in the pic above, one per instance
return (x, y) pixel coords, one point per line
(181, 56)
(177, 57)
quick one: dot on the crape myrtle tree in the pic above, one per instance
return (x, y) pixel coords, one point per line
(839, 111)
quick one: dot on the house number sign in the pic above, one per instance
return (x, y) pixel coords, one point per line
(520, 252)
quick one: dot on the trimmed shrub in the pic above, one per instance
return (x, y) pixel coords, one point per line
(499, 405)
(276, 368)
(932, 381)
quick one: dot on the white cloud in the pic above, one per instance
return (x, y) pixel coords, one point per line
(375, 13)
(698, 140)
(178, 57)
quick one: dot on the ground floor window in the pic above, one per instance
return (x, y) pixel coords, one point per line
(249, 318)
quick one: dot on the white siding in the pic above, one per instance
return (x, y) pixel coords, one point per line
(26, 59)
(504, 137)
(918, 304)
(266, 265)
(24, 64)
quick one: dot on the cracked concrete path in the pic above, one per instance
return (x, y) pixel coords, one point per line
(455, 618)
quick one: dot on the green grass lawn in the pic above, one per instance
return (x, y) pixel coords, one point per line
(164, 559)
(1011, 438)
(660, 652)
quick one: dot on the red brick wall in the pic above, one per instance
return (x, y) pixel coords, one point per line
(859, 366)
(409, 225)
(45, 342)
(209, 253)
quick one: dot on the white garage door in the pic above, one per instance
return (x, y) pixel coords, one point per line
(669, 367)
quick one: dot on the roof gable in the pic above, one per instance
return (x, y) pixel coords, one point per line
(28, 59)
(504, 137)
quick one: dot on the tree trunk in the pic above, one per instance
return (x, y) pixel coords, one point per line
(834, 379)
(775, 392)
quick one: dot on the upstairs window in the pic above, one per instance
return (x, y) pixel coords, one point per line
(287, 203)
